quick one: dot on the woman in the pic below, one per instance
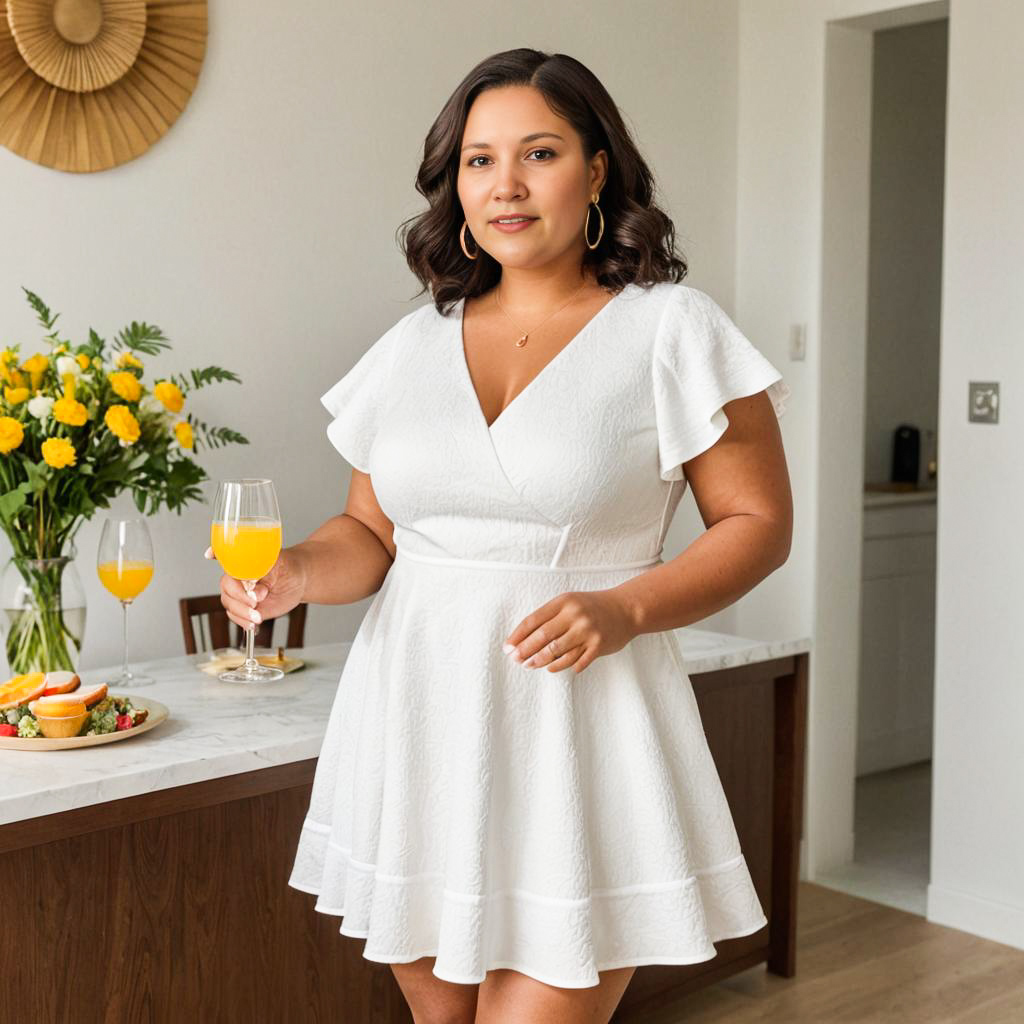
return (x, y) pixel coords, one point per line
(513, 842)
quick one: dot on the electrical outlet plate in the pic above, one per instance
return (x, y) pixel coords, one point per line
(983, 398)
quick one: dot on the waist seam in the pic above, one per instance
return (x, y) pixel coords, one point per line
(472, 563)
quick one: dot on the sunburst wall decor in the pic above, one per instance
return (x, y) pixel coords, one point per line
(86, 85)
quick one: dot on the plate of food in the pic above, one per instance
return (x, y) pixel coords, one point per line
(53, 711)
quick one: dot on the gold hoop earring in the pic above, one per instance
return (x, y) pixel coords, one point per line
(586, 224)
(462, 242)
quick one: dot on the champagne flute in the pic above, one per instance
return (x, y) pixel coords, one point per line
(246, 540)
(124, 564)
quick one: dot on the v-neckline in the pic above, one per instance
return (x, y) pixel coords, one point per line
(460, 341)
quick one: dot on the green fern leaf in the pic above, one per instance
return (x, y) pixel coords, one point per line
(214, 437)
(146, 338)
(46, 318)
(212, 375)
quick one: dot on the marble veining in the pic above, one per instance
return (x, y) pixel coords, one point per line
(218, 729)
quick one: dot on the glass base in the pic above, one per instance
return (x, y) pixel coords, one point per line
(259, 674)
(130, 680)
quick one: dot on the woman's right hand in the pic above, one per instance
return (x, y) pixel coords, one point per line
(275, 594)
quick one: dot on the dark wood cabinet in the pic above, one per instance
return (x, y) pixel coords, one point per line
(174, 905)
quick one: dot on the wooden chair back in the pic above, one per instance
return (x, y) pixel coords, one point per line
(215, 629)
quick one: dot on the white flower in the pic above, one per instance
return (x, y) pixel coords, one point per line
(68, 364)
(150, 405)
(41, 406)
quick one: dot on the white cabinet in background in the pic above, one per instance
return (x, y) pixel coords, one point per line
(897, 644)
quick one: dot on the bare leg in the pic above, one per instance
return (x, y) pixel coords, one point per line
(432, 1000)
(508, 997)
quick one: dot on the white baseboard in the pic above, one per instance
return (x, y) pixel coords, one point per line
(999, 922)
(834, 859)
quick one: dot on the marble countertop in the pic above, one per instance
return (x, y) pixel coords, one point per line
(217, 729)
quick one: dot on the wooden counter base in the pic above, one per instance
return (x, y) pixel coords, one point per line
(174, 905)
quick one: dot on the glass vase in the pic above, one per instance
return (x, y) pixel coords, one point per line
(43, 605)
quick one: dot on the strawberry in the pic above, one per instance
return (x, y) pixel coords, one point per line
(124, 722)
(8, 730)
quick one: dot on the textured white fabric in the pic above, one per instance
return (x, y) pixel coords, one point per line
(471, 809)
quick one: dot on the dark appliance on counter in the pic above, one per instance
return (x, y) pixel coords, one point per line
(906, 454)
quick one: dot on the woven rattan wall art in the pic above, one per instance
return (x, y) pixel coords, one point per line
(86, 85)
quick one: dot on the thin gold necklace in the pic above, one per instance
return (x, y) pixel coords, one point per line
(526, 334)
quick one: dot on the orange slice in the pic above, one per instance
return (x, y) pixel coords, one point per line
(21, 689)
(61, 682)
(57, 706)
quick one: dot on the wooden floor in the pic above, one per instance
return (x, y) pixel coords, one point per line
(858, 962)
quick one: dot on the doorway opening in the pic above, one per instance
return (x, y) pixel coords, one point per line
(885, 142)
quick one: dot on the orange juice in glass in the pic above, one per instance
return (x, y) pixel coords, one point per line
(125, 580)
(246, 548)
(124, 564)
(246, 539)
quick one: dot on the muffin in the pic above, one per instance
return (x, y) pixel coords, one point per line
(59, 716)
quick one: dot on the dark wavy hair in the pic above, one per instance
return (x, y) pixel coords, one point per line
(638, 243)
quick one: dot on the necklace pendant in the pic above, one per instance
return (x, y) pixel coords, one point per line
(522, 341)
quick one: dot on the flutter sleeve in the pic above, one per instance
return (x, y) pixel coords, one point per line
(701, 361)
(359, 399)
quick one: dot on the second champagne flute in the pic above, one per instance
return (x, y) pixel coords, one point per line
(124, 564)
(246, 540)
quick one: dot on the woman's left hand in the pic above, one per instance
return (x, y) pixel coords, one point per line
(572, 630)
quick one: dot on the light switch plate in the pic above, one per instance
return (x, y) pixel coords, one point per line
(984, 401)
(798, 342)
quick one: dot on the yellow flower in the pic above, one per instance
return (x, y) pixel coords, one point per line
(126, 358)
(11, 434)
(126, 385)
(183, 432)
(36, 367)
(6, 357)
(83, 360)
(70, 411)
(18, 377)
(170, 395)
(97, 363)
(15, 396)
(121, 422)
(67, 409)
(58, 452)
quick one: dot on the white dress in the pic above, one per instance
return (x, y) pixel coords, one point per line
(471, 809)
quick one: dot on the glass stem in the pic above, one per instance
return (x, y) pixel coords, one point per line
(124, 666)
(250, 632)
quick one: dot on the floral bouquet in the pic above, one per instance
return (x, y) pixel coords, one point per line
(78, 426)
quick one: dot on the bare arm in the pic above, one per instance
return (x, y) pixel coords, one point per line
(348, 557)
(741, 486)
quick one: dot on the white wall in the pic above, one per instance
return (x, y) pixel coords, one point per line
(978, 801)
(978, 790)
(259, 233)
